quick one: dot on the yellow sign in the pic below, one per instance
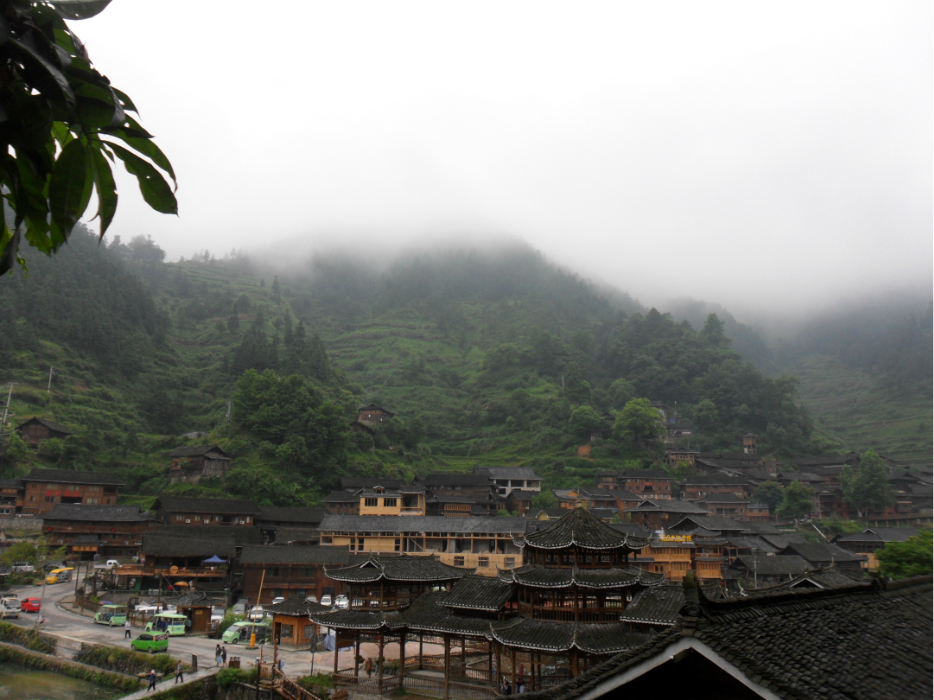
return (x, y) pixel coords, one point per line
(676, 538)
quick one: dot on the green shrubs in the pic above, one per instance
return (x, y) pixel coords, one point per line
(28, 638)
(232, 676)
(103, 678)
(316, 682)
(126, 661)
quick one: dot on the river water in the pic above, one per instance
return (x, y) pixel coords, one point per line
(21, 683)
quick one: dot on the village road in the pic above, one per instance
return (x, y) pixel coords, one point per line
(62, 621)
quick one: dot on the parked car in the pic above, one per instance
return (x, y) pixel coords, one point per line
(278, 599)
(23, 567)
(113, 615)
(152, 643)
(256, 614)
(31, 605)
(342, 602)
(59, 575)
(326, 600)
(239, 632)
(10, 606)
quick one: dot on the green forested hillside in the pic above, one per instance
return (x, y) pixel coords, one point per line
(486, 358)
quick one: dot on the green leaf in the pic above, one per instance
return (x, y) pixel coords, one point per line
(43, 65)
(127, 102)
(79, 9)
(68, 194)
(148, 148)
(106, 189)
(9, 245)
(152, 185)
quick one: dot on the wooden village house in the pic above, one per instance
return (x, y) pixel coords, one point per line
(176, 510)
(43, 489)
(191, 464)
(37, 430)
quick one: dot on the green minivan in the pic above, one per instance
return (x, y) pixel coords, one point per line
(242, 631)
(112, 615)
(153, 643)
(173, 623)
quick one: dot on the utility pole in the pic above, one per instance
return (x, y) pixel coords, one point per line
(51, 374)
(6, 410)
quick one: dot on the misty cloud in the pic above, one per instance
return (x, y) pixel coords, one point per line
(750, 154)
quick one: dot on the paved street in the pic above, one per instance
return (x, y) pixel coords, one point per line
(63, 622)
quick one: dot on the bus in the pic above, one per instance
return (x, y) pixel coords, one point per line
(112, 615)
(59, 575)
(173, 624)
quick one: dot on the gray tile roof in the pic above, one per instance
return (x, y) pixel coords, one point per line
(297, 606)
(273, 514)
(424, 523)
(160, 545)
(655, 606)
(69, 476)
(56, 427)
(396, 568)
(715, 480)
(517, 473)
(355, 483)
(589, 637)
(581, 528)
(343, 497)
(198, 451)
(483, 593)
(772, 565)
(866, 642)
(713, 523)
(219, 506)
(666, 505)
(818, 554)
(879, 535)
(94, 513)
(541, 577)
(294, 554)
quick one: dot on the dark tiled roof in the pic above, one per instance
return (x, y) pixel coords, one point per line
(67, 476)
(821, 578)
(479, 593)
(582, 529)
(93, 513)
(196, 599)
(774, 565)
(375, 407)
(355, 483)
(817, 553)
(541, 577)
(542, 635)
(861, 642)
(297, 606)
(160, 545)
(56, 427)
(715, 480)
(783, 540)
(241, 534)
(359, 619)
(666, 505)
(424, 523)
(632, 529)
(623, 494)
(11, 483)
(713, 523)
(879, 535)
(430, 613)
(523, 495)
(285, 535)
(343, 497)
(294, 554)
(443, 479)
(646, 474)
(804, 477)
(655, 606)
(723, 498)
(517, 473)
(441, 498)
(220, 506)
(311, 516)
(198, 451)
(396, 568)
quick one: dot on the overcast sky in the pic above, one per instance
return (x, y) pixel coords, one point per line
(741, 152)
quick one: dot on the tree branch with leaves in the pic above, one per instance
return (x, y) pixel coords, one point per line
(62, 125)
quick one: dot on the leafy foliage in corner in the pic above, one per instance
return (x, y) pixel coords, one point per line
(60, 124)
(797, 500)
(913, 557)
(231, 676)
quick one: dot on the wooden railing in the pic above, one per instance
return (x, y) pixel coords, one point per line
(459, 691)
(294, 691)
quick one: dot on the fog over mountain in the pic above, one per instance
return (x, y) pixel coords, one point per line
(764, 156)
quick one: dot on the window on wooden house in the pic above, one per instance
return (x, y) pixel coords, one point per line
(484, 562)
(371, 502)
(390, 502)
(458, 561)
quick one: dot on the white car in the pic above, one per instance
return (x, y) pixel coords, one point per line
(342, 602)
(277, 600)
(326, 600)
(256, 614)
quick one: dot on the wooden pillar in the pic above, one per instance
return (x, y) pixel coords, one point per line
(513, 670)
(337, 646)
(575, 667)
(356, 655)
(499, 662)
(447, 666)
(421, 638)
(379, 663)
(463, 653)
(401, 658)
(489, 661)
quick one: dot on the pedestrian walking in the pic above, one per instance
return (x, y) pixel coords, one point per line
(152, 680)
(368, 667)
(126, 629)
(217, 655)
(224, 655)
(180, 673)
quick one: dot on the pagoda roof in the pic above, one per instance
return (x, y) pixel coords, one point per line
(430, 613)
(396, 568)
(655, 606)
(483, 593)
(542, 577)
(582, 529)
(358, 619)
(547, 636)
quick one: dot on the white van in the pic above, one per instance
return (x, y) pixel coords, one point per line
(9, 607)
